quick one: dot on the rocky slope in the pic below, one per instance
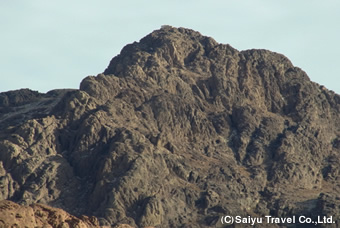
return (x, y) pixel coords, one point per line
(178, 131)
(39, 215)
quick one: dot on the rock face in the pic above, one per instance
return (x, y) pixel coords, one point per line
(38, 215)
(178, 131)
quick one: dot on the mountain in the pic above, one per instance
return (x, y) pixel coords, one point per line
(178, 131)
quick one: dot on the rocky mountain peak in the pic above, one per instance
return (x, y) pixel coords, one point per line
(168, 46)
(176, 132)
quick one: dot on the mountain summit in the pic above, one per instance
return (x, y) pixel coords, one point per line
(178, 131)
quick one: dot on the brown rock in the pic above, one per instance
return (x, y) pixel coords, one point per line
(38, 215)
(178, 131)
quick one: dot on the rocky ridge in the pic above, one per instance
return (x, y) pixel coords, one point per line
(176, 132)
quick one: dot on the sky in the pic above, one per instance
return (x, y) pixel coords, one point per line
(47, 45)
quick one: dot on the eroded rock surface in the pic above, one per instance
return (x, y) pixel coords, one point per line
(39, 215)
(178, 131)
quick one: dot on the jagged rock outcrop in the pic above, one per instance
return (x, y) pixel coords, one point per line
(178, 131)
(39, 215)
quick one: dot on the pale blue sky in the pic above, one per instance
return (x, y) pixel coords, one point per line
(46, 45)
